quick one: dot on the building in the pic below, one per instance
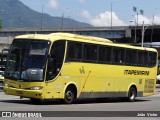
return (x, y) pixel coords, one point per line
(120, 34)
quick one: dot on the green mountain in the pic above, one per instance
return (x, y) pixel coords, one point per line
(14, 14)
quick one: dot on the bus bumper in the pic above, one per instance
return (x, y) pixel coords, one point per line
(23, 93)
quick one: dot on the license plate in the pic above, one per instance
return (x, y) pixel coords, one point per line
(19, 92)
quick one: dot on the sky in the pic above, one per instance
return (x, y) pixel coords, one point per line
(98, 12)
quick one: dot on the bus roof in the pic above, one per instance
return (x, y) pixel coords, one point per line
(68, 35)
(82, 38)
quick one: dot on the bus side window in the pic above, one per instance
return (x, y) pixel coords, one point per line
(142, 58)
(90, 52)
(131, 57)
(152, 59)
(118, 55)
(74, 51)
(105, 54)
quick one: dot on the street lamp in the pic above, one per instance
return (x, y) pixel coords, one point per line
(42, 18)
(73, 24)
(135, 10)
(135, 28)
(63, 18)
(143, 31)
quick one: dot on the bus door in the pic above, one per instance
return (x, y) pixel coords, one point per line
(54, 80)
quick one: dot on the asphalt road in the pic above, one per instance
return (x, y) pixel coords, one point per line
(142, 105)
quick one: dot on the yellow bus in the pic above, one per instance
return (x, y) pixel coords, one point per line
(69, 67)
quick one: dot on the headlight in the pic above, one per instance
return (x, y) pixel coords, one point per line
(8, 85)
(36, 88)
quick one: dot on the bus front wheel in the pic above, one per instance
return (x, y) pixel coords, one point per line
(132, 93)
(69, 96)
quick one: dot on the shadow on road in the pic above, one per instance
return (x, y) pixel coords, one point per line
(105, 100)
(80, 101)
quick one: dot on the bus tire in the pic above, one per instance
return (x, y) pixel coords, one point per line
(69, 95)
(132, 93)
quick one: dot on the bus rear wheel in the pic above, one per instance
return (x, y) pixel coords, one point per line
(132, 93)
(69, 96)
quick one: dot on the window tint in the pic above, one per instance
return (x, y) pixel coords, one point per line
(131, 57)
(74, 51)
(78, 51)
(90, 52)
(118, 55)
(105, 54)
(152, 59)
(143, 58)
(145, 63)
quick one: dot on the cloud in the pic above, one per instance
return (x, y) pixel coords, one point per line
(156, 20)
(53, 4)
(86, 14)
(140, 20)
(103, 19)
(143, 18)
(147, 20)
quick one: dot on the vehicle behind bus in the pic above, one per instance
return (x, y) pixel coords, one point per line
(3, 59)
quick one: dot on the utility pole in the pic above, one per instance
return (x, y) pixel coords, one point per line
(62, 21)
(63, 18)
(42, 18)
(142, 34)
(143, 31)
(111, 15)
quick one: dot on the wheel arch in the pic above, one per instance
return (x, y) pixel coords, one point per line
(132, 93)
(72, 86)
(134, 86)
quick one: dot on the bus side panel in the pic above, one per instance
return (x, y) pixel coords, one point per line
(53, 89)
(99, 80)
(149, 87)
(69, 74)
(150, 82)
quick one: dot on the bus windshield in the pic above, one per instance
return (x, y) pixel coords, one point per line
(26, 60)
